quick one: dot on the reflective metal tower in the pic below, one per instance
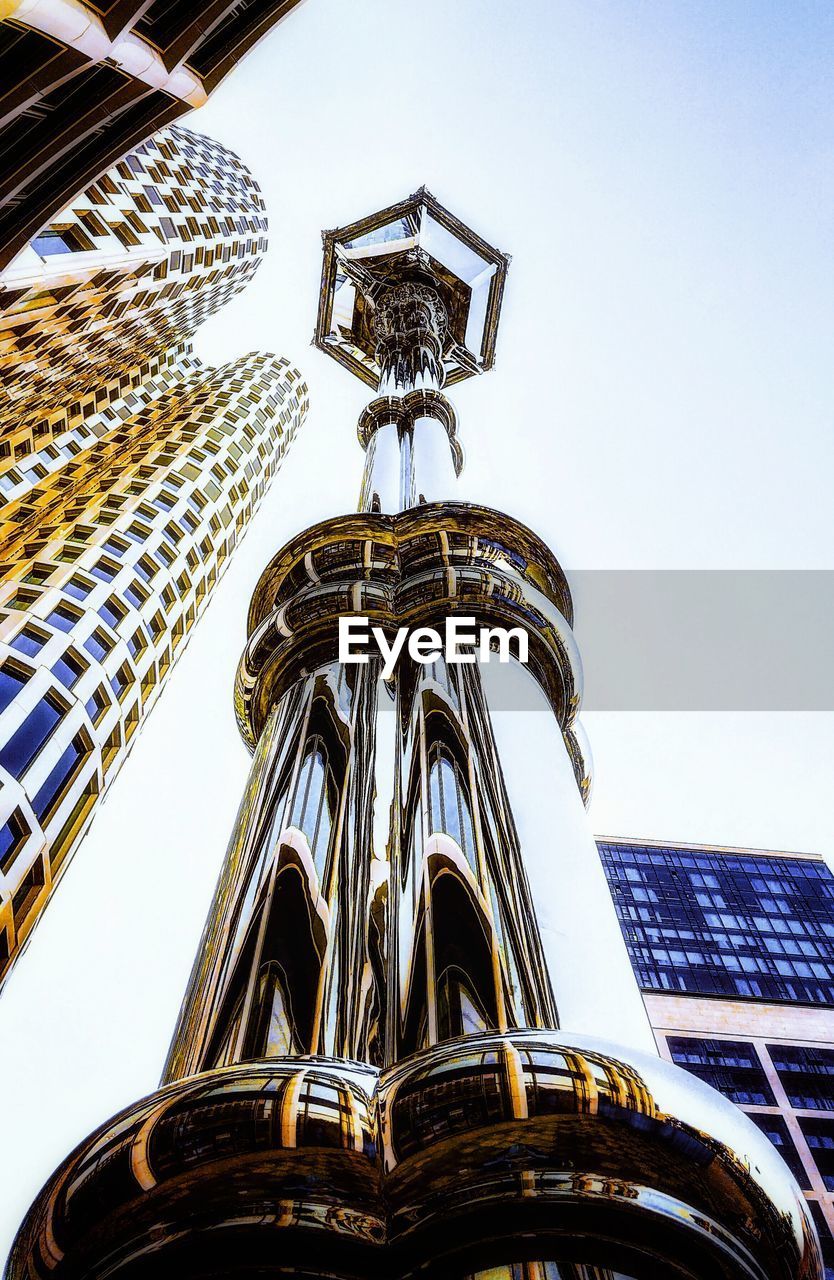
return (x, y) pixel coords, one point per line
(369, 1076)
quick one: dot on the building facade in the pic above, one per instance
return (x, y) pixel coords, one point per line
(124, 274)
(82, 84)
(128, 472)
(734, 953)
(371, 1076)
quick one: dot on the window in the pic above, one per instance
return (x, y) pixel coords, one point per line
(775, 1128)
(79, 587)
(18, 753)
(449, 809)
(146, 568)
(275, 1031)
(324, 1115)
(460, 1012)
(61, 239)
(29, 640)
(12, 839)
(28, 893)
(731, 1066)
(61, 777)
(139, 532)
(23, 599)
(807, 1075)
(125, 233)
(105, 569)
(96, 707)
(12, 680)
(98, 645)
(111, 749)
(136, 595)
(92, 222)
(137, 643)
(63, 618)
(819, 1134)
(115, 545)
(68, 668)
(112, 611)
(120, 681)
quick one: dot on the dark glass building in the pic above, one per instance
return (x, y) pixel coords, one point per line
(734, 952)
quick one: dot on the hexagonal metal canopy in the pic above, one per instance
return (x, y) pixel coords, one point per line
(416, 239)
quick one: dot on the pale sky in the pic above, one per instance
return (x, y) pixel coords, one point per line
(661, 175)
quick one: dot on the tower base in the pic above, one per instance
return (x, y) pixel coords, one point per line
(537, 1152)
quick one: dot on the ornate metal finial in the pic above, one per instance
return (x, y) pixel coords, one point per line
(419, 243)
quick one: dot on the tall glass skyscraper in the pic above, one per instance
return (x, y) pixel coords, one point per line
(128, 472)
(734, 953)
(371, 1075)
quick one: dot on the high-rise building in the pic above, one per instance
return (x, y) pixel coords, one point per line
(128, 471)
(368, 1078)
(734, 953)
(81, 84)
(126, 273)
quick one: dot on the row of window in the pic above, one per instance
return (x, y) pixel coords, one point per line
(763, 927)
(735, 1068)
(223, 445)
(806, 1073)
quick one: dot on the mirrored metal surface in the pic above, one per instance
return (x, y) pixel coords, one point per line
(526, 1156)
(413, 569)
(374, 905)
(416, 241)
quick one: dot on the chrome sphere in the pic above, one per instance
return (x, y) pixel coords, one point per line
(532, 1155)
(545, 1146)
(268, 1168)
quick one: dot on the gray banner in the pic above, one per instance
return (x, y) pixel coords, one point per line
(693, 640)
(706, 641)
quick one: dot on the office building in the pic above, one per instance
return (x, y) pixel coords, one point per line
(82, 84)
(128, 472)
(734, 953)
(373, 1074)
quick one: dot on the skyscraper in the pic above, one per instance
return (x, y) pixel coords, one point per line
(128, 472)
(367, 1077)
(734, 953)
(81, 84)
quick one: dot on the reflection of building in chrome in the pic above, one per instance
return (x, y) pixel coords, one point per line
(367, 1078)
(128, 472)
(734, 953)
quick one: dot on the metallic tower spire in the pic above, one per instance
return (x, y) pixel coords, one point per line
(368, 1076)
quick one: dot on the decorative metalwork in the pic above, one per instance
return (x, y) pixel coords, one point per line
(422, 245)
(533, 1149)
(405, 413)
(366, 1079)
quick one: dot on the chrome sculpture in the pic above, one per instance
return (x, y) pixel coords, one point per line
(368, 1076)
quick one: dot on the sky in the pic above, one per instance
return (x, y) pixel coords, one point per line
(661, 175)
